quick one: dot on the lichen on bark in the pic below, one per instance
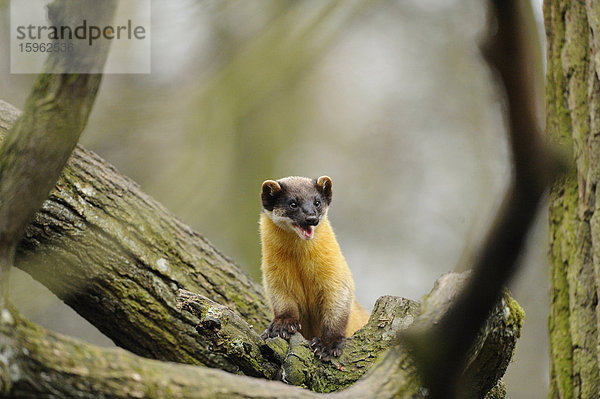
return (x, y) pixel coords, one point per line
(573, 120)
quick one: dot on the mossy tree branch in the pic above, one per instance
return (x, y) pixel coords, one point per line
(35, 362)
(119, 258)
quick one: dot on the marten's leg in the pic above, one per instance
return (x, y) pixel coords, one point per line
(287, 317)
(334, 319)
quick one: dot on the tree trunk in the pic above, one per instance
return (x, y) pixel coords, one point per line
(573, 120)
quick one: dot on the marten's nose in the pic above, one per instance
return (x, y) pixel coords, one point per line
(312, 220)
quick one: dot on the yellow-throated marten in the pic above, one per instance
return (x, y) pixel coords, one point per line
(306, 278)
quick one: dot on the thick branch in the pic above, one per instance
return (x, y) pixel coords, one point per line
(118, 258)
(294, 361)
(488, 358)
(42, 362)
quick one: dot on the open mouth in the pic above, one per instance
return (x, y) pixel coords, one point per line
(305, 233)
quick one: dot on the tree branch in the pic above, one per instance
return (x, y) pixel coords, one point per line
(44, 364)
(38, 145)
(294, 361)
(118, 258)
(41, 362)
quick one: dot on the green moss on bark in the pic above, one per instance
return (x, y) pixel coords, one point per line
(573, 105)
(516, 313)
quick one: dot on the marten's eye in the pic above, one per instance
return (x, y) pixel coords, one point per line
(293, 205)
(317, 203)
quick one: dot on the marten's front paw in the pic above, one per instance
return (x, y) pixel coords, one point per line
(325, 349)
(282, 327)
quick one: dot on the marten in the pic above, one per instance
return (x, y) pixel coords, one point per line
(305, 275)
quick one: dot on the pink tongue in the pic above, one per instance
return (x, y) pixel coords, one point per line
(308, 233)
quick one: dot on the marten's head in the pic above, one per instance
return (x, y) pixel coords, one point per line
(297, 204)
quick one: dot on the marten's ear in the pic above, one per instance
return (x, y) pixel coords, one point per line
(269, 193)
(324, 187)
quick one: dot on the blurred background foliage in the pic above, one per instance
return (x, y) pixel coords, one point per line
(391, 99)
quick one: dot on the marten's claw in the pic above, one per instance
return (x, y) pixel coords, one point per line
(282, 327)
(325, 349)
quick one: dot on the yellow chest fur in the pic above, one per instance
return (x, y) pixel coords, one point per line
(313, 273)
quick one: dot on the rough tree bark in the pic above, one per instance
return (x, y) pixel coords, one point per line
(573, 120)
